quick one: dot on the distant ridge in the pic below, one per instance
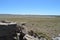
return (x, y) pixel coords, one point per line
(37, 16)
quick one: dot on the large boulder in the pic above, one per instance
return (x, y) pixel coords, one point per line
(7, 28)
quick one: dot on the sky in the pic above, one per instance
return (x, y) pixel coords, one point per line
(30, 7)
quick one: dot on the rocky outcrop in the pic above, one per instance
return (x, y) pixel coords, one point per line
(13, 31)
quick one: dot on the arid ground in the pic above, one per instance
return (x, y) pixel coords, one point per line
(46, 25)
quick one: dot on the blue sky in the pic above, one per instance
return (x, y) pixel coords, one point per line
(30, 7)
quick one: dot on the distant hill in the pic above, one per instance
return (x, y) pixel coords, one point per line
(32, 16)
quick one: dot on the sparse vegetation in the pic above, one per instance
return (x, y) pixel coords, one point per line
(48, 26)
